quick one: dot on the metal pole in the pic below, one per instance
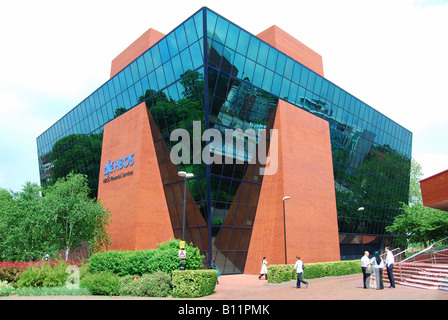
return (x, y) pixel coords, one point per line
(360, 224)
(185, 203)
(284, 227)
(284, 230)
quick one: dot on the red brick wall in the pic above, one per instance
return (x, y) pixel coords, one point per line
(305, 173)
(140, 217)
(292, 47)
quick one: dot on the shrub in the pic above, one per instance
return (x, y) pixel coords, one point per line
(102, 283)
(194, 283)
(44, 275)
(139, 262)
(282, 273)
(157, 284)
(5, 288)
(10, 270)
(128, 286)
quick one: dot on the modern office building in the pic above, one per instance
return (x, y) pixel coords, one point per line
(328, 153)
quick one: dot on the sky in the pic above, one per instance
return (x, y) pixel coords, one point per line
(391, 54)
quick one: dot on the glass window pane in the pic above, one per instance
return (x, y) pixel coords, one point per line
(232, 37)
(221, 30)
(181, 39)
(252, 51)
(263, 53)
(289, 67)
(198, 21)
(276, 84)
(281, 62)
(156, 59)
(164, 51)
(186, 60)
(243, 42)
(190, 31)
(258, 75)
(171, 43)
(211, 23)
(304, 77)
(272, 58)
(249, 68)
(267, 80)
(296, 72)
(196, 55)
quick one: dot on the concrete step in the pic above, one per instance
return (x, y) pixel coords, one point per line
(420, 275)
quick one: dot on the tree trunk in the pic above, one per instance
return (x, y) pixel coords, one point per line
(67, 249)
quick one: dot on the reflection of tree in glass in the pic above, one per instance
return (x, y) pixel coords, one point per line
(381, 181)
(77, 153)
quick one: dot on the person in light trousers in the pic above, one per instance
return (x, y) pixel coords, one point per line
(299, 266)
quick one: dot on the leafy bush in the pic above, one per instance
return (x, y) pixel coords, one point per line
(282, 273)
(139, 262)
(194, 283)
(44, 275)
(103, 283)
(129, 286)
(10, 270)
(5, 288)
(157, 284)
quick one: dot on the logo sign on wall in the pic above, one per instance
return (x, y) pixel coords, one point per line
(116, 166)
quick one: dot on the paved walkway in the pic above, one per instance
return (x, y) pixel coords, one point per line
(248, 287)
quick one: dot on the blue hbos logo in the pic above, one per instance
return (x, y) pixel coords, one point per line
(119, 164)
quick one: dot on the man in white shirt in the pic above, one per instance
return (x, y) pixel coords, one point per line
(299, 268)
(365, 263)
(390, 266)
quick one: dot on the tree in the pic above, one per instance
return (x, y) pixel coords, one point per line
(24, 225)
(35, 221)
(76, 217)
(419, 224)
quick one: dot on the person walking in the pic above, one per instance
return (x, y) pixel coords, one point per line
(378, 265)
(365, 264)
(264, 269)
(214, 266)
(299, 267)
(390, 267)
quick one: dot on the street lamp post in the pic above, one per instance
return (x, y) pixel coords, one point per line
(284, 226)
(360, 224)
(185, 176)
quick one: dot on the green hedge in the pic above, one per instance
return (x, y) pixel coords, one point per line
(282, 273)
(194, 283)
(165, 258)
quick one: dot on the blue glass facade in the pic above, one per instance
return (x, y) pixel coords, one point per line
(212, 71)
